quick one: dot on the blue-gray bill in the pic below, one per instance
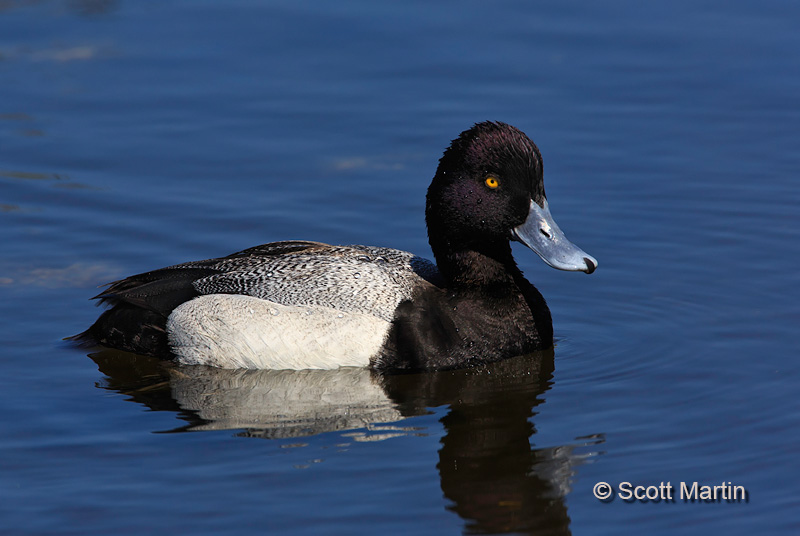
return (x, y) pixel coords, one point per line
(541, 233)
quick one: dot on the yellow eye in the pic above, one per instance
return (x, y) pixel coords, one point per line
(492, 182)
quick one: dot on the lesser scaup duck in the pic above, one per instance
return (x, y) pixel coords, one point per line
(303, 305)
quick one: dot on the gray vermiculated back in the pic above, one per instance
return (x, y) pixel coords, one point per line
(365, 279)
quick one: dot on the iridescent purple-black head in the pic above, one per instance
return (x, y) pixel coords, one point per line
(488, 189)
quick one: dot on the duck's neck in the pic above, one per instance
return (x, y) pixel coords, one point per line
(484, 267)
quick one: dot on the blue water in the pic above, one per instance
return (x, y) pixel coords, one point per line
(135, 135)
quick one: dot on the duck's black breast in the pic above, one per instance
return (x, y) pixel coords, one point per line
(451, 328)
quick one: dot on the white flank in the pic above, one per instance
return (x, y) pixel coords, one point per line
(236, 331)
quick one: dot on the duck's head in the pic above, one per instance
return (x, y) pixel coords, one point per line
(488, 190)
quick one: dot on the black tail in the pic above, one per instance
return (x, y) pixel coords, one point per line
(140, 305)
(130, 328)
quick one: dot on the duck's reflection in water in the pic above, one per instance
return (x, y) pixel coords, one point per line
(496, 481)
